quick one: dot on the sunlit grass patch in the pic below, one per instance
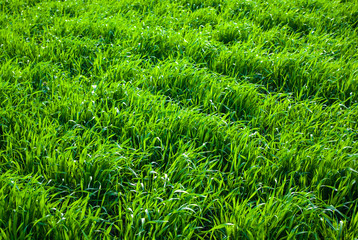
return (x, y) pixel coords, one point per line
(152, 119)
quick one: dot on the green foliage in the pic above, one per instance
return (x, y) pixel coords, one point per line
(153, 119)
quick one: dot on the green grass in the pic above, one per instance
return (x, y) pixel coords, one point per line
(185, 119)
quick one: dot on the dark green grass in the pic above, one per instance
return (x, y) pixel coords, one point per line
(186, 119)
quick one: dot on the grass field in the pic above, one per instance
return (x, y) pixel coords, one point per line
(183, 119)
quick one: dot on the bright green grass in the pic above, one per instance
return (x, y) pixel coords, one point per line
(153, 119)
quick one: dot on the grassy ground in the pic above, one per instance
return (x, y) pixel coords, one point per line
(153, 119)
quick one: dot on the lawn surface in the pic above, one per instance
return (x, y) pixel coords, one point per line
(183, 119)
